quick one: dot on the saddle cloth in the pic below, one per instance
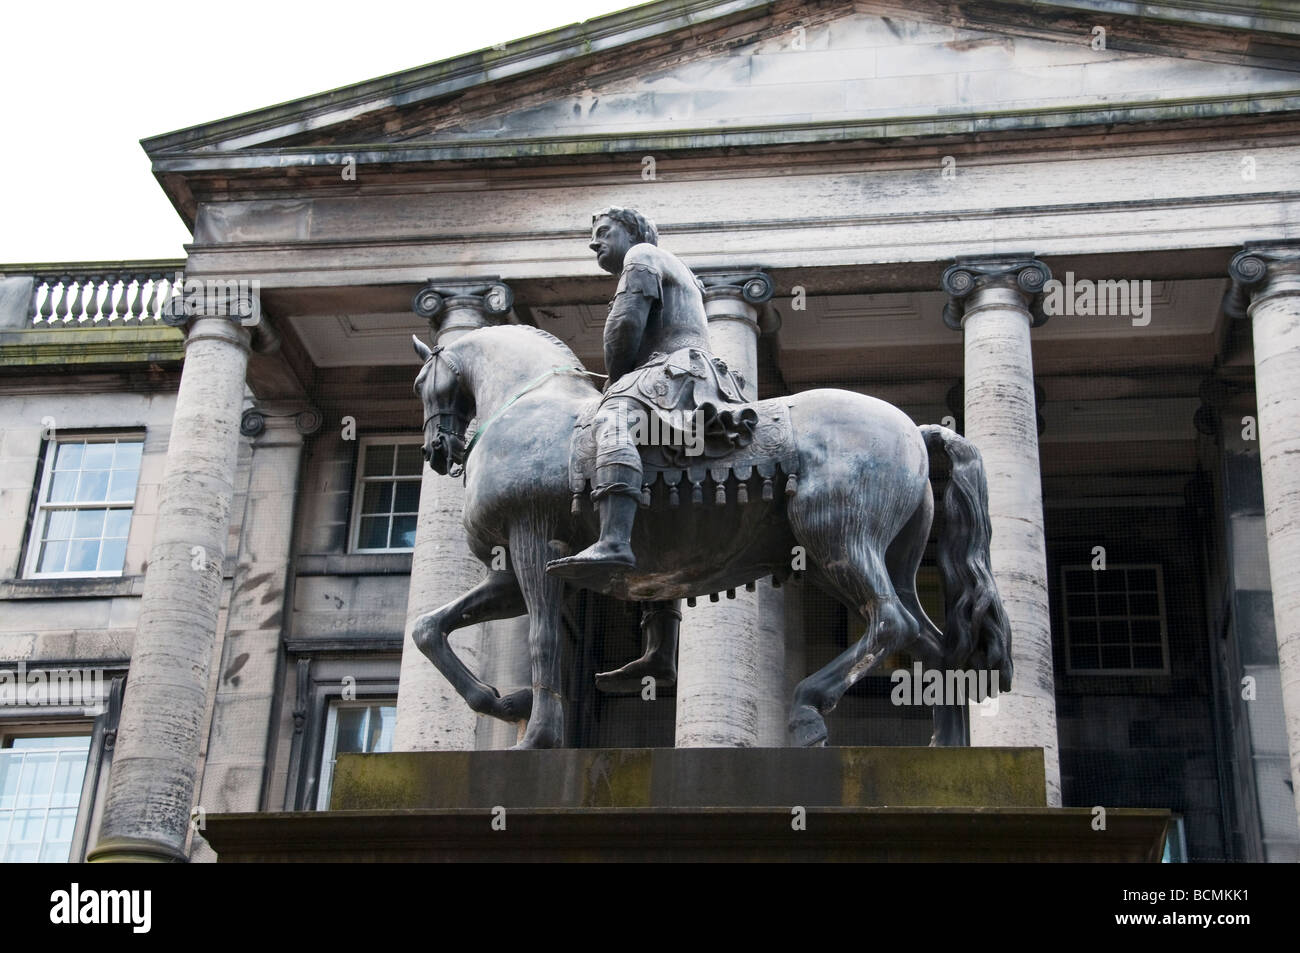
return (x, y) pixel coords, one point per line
(673, 472)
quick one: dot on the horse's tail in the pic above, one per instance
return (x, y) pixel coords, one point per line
(976, 631)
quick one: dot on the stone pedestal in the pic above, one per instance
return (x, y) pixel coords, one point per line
(991, 301)
(663, 804)
(151, 791)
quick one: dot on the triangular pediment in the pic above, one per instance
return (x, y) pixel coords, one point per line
(725, 73)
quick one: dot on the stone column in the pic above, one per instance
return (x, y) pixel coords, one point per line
(234, 770)
(991, 302)
(151, 790)
(430, 714)
(731, 653)
(1268, 276)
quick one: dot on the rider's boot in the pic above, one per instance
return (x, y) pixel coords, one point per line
(617, 497)
(660, 621)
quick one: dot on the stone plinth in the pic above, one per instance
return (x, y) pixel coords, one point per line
(664, 804)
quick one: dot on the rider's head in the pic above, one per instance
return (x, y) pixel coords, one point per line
(614, 231)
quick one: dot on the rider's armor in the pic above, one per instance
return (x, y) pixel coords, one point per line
(673, 375)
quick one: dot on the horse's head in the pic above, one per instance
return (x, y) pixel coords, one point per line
(448, 408)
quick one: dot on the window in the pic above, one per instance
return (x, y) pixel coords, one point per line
(41, 777)
(1115, 620)
(387, 495)
(84, 506)
(354, 727)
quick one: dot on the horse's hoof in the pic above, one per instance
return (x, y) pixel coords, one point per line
(808, 729)
(516, 706)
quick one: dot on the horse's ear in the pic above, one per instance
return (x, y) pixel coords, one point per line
(421, 348)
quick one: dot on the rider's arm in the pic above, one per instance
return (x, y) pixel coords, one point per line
(638, 289)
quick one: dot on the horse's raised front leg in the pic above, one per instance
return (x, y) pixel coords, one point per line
(544, 597)
(496, 597)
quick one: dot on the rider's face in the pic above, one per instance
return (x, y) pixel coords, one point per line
(610, 240)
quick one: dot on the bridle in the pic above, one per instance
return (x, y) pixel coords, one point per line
(452, 437)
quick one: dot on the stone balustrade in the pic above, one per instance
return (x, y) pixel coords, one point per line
(89, 294)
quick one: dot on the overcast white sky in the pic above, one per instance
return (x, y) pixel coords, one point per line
(84, 82)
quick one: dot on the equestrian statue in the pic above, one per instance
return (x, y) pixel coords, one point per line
(673, 483)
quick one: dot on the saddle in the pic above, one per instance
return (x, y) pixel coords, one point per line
(669, 471)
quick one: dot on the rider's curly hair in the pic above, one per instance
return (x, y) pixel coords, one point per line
(642, 229)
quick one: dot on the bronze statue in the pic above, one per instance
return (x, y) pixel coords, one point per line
(836, 479)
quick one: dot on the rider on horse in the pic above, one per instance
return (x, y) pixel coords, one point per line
(660, 364)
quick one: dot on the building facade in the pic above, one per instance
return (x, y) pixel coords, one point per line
(1069, 231)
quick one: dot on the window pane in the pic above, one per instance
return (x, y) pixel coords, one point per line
(63, 487)
(1111, 603)
(403, 532)
(37, 778)
(1082, 604)
(351, 730)
(1083, 656)
(1114, 632)
(53, 557)
(67, 779)
(22, 854)
(1140, 603)
(83, 555)
(117, 524)
(1146, 630)
(1148, 656)
(377, 498)
(93, 486)
(89, 524)
(128, 455)
(1115, 656)
(379, 459)
(409, 458)
(383, 719)
(121, 486)
(1110, 581)
(374, 533)
(406, 497)
(1143, 580)
(112, 555)
(27, 824)
(69, 456)
(98, 456)
(11, 766)
(59, 524)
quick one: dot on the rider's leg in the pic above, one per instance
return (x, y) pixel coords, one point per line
(660, 621)
(616, 494)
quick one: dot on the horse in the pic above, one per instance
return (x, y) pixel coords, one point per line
(859, 519)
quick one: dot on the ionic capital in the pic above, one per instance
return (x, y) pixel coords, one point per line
(462, 305)
(1022, 273)
(740, 294)
(1259, 270)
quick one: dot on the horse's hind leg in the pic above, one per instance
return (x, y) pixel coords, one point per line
(861, 582)
(903, 560)
(496, 597)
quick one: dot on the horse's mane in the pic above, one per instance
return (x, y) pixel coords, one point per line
(547, 335)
